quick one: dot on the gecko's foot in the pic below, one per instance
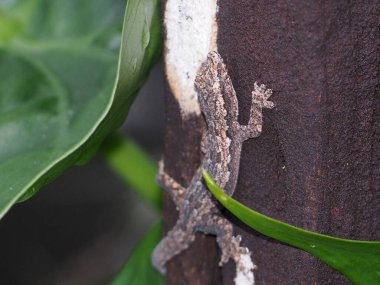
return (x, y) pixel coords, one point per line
(223, 229)
(241, 256)
(230, 247)
(260, 96)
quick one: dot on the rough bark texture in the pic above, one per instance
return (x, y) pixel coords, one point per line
(317, 163)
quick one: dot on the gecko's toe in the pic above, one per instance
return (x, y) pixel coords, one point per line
(268, 104)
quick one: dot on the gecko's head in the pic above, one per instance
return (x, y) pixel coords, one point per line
(214, 58)
(208, 72)
(208, 85)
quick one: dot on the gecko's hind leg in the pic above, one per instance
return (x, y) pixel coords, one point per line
(230, 247)
(223, 230)
(177, 239)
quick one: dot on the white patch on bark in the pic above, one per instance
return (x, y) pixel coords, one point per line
(244, 270)
(191, 32)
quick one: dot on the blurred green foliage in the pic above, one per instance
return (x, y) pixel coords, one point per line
(65, 84)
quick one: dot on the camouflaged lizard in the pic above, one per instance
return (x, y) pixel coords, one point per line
(221, 146)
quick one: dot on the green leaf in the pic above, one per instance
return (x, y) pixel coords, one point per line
(58, 95)
(359, 261)
(139, 270)
(134, 166)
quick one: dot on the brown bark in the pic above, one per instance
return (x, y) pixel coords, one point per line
(317, 163)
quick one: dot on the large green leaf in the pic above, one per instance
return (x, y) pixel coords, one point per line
(138, 270)
(134, 166)
(58, 95)
(359, 261)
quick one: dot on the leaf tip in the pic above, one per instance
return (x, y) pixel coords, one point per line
(209, 181)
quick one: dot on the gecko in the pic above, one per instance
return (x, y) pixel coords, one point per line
(221, 146)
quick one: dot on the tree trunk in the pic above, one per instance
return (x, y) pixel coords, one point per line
(317, 163)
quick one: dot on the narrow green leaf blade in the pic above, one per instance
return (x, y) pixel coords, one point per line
(359, 261)
(138, 270)
(134, 166)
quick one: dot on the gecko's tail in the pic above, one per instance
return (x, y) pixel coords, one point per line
(175, 242)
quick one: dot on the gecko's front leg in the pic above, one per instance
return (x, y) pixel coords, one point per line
(177, 191)
(260, 96)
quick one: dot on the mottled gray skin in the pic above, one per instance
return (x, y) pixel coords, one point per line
(221, 145)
